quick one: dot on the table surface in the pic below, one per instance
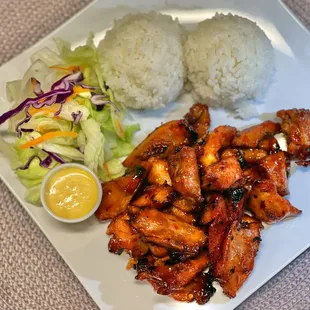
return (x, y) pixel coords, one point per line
(32, 273)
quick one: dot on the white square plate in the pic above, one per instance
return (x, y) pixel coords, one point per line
(84, 246)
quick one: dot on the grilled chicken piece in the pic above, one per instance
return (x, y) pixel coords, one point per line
(200, 289)
(250, 176)
(162, 141)
(267, 205)
(184, 173)
(236, 199)
(230, 152)
(159, 171)
(186, 204)
(274, 168)
(183, 216)
(215, 209)
(168, 231)
(124, 237)
(219, 138)
(269, 144)
(303, 163)
(250, 137)
(155, 196)
(250, 156)
(296, 125)
(157, 250)
(116, 194)
(216, 236)
(167, 278)
(215, 215)
(199, 117)
(221, 175)
(239, 252)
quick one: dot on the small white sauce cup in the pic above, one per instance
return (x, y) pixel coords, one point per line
(64, 166)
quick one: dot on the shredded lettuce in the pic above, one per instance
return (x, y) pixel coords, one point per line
(30, 182)
(46, 55)
(81, 141)
(130, 131)
(103, 139)
(73, 107)
(32, 179)
(24, 155)
(122, 149)
(13, 91)
(69, 152)
(41, 72)
(33, 195)
(103, 117)
(34, 172)
(46, 124)
(112, 169)
(94, 148)
(8, 150)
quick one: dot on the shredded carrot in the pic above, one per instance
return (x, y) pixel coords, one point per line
(77, 90)
(107, 169)
(121, 130)
(33, 83)
(48, 136)
(69, 69)
(32, 111)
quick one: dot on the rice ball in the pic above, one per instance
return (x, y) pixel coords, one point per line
(229, 60)
(142, 60)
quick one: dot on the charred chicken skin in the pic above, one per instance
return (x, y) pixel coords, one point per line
(180, 209)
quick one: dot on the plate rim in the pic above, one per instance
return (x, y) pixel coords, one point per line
(23, 203)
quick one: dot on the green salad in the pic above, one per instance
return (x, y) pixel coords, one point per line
(62, 111)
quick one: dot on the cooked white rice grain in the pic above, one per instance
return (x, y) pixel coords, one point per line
(142, 60)
(229, 60)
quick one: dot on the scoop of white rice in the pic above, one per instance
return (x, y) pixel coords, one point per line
(229, 60)
(142, 60)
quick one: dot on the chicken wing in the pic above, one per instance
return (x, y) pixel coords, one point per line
(267, 205)
(169, 278)
(200, 289)
(184, 173)
(168, 231)
(220, 137)
(124, 237)
(221, 175)
(296, 125)
(239, 252)
(162, 141)
(250, 137)
(159, 172)
(199, 117)
(274, 168)
(155, 196)
(116, 194)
